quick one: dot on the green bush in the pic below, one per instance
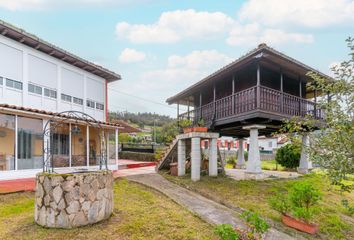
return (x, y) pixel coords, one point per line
(145, 157)
(256, 224)
(231, 160)
(288, 156)
(300, 202)
(303, 197)
(226, 232)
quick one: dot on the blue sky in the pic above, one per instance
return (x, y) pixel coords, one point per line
(161, 47)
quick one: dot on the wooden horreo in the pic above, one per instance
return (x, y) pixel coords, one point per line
(263, 87)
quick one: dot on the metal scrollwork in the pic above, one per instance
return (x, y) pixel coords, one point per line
(62, 119)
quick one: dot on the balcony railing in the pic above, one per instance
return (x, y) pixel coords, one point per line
(251, 99)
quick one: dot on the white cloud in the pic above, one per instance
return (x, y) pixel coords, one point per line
(182, 71)
(251, 34)
(129, 55)
(21, 5)
(175, 25)
(309, 13)
(199, 60)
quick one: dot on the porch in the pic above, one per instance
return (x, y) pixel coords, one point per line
(256, 101)
(27, 142)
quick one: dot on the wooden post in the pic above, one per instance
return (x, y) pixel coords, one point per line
(315, 107)
(233, 94)
(200, 107)
(177, 114)
(214, 99)
(258, 85)
(281, 90)
(188, 113)
(300, 94)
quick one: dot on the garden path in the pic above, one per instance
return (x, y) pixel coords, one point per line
(208, 210)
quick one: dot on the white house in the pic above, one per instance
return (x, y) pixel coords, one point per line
(37, 81)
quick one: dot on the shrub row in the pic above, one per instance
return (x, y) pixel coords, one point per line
(146, 157)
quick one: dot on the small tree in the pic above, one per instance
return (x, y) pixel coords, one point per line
(288, 155)
(332, 147)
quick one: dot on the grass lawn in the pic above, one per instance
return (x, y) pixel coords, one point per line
(253, 195)
(266, 165)
(139, 213)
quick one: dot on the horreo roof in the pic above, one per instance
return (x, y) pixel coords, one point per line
(261, 52)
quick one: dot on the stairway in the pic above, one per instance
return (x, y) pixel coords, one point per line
(169, 155)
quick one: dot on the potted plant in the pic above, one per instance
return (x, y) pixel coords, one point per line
(201, 126)
(297, 208)
(186, 124)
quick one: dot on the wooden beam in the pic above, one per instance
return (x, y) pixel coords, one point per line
(258, 86)
(281, 90)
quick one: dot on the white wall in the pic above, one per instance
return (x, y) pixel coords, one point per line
(27, 65)
(268, 144)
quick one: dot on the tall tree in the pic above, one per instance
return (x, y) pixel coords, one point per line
(332, 147)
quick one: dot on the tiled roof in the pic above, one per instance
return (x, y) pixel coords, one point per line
(127, 128)
(53, 114)
(20, 35)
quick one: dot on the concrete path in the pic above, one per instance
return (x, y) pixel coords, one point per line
(210, 211)
(240, 174)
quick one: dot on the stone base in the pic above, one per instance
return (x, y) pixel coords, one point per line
(304, 170)
(254, 176)
(240, 166)
(73, 200)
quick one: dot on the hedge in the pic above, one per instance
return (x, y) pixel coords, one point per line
(147, 157)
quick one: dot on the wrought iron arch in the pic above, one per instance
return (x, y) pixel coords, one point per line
(61, 119)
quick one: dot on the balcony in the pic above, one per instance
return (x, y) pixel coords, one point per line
(257, 99)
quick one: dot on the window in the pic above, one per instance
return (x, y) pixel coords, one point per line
(7, 142)
(34, 89)
(90, 103)
(50, 93)
(60, 143)
(13, 84)
(78, 101)
(1, 81)
(270, 144)
(30, 143)
(65, 98)
(100, 106)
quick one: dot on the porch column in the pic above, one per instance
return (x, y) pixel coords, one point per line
(281, 90)
(181, 157)
(233, 94)
(70, 150)
(46, 142)
(240, 155)
(305, 164)
(177, 114)
(87, 146)
(213, 158)
(200, 107)
(254, 159)
(107, 146)
(195, 159)
(258, 86)
(117, 146)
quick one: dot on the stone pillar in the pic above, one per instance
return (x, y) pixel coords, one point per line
(195, 159)
(181, 148)
(254, 159)
(305, 164)
(240, 155)
(213, 158)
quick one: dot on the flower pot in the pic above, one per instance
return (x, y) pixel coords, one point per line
(174, 169)
(187, 130)
(200, 129)
(299, 225)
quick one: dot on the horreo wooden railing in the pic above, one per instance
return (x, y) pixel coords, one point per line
(252, 99)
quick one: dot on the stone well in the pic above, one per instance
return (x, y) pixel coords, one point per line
(73, 200)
